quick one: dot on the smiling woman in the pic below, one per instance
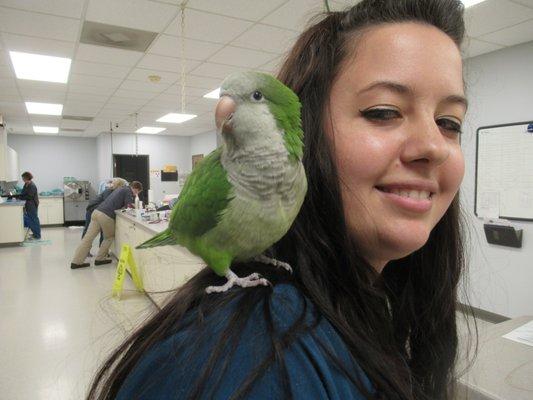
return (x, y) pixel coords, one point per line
(376, 250)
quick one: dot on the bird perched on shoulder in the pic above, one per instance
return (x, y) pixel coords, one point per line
(245, 195)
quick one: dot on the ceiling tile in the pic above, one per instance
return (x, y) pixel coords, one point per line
(9, 97)
(527, 3)
(141, 74)
(246, 9)
(6, 72)
(107, 55)
(190, 92)
(137, 14)
(118, 102)
(81, 111)
(72, 124)
(90, 80)
(7, 83)
(273, 66)
(45, 120)
(134, 94)
(209, 27)
(266, 38)
(294, 14)
(473, 47)
(77, 88)
(162, 63)
(493, 15)
(84, 97)
(11, 109)
(71, 134)
(241, 57)
(18, 125)
(144, 86)
(516, 34)
(39, 25)
(202, 82)
(217, 70)
(341, 5)
(63, 8)
(29, 44)
(97, 69)
(167, 45)
(42, 96)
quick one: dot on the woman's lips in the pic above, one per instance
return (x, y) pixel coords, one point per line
(418, 205)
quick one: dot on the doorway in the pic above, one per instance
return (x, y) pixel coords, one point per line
(133, 168)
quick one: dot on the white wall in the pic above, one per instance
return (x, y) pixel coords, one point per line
(203, 143)
(162, 150)
(50, 158)
(499, 88)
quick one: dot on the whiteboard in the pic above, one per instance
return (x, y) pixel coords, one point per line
(504, 171)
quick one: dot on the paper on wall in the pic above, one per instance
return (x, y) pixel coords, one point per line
(523, 334)
(488, 205)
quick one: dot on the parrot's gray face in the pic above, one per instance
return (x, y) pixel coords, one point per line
(243, 116)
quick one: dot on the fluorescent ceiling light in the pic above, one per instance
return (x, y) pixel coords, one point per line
(470, 3)
(40, 68)
(176, 118)
(150, 129)
(45, 129)
(215, 94)
(44, 108)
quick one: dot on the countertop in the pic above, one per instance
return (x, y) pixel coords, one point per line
(51, 197)
(154, 228)
(15, 203)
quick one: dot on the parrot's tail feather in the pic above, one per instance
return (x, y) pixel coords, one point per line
(163, 239)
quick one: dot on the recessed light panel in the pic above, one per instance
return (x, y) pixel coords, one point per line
(44, 108)
(176, 118)
(46, 129)
(37, 67)
(150, 129)
(215, 94)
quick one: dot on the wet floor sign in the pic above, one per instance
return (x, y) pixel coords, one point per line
(126, 263)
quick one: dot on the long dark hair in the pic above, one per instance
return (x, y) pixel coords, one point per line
(400, 325)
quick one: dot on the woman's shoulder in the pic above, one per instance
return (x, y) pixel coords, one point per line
(284, 339)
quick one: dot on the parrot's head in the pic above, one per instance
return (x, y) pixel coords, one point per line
(256, 109)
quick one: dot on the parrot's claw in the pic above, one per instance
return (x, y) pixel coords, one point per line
(233, 280)
(272, 261)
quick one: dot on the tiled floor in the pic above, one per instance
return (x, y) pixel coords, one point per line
(58, 324)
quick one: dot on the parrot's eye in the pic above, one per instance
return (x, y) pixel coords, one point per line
(257, 95)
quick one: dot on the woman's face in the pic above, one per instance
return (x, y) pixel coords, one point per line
(394, 114)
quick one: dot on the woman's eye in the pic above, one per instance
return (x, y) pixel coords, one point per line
(380, 114)
(449, 125)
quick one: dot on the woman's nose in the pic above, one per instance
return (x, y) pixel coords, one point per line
(426, 143)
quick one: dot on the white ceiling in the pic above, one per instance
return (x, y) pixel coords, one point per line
(111, 84)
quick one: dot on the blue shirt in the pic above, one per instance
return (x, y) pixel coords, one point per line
(169, 369)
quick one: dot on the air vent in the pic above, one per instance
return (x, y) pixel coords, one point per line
(77, 118)
(71, 130)
(116, 36)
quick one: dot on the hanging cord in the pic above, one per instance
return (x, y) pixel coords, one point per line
(326, 4)
(182, 55)
(136, 134)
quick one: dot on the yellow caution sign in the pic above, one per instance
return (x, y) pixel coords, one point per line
(126, 262)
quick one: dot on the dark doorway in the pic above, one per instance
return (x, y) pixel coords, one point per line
(133, 168)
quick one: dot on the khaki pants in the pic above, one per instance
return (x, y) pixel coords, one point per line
(99, 221)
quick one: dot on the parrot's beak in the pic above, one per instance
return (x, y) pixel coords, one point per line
(226, 106)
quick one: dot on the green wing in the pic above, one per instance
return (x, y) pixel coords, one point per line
(203, 199)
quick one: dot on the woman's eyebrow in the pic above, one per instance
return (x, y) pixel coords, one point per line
(406, 90)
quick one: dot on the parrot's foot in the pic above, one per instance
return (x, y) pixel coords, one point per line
(272, 261)
(233, 280)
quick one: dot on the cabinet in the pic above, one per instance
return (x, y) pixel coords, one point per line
(9, 164)
(12, 222)
(51, 210)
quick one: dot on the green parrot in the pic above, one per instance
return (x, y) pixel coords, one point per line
(244, 196)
